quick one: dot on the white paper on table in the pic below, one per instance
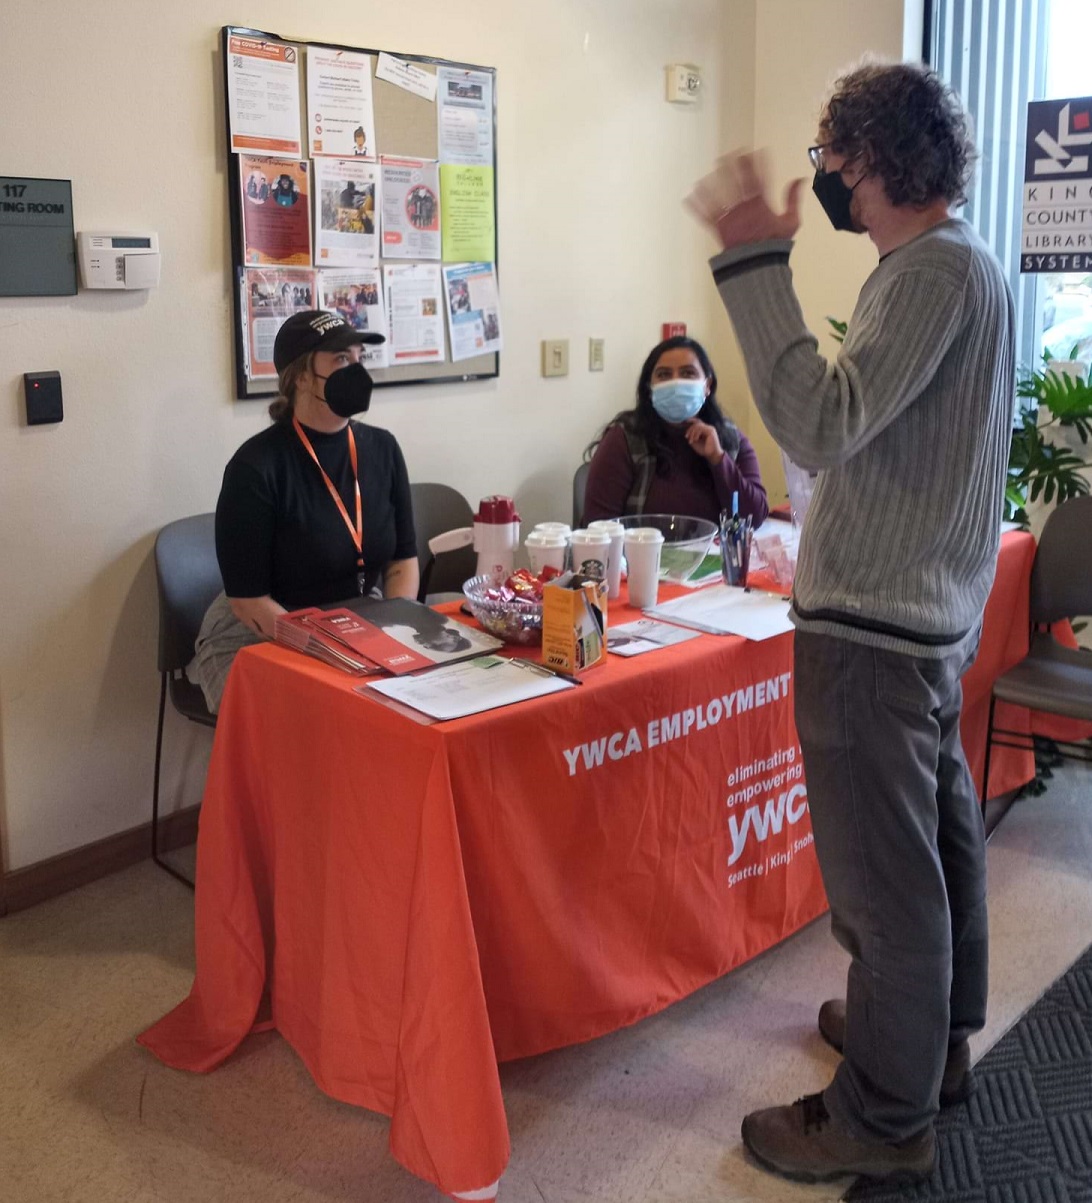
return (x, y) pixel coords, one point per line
(264, 97)
(405, 75)
(346, 213)
(726, 610)
(471, 687)
(473, 309)
(410, 208)
(465, 116)
(415, 316)
(645, 635)
(357, 295)
(339, 102)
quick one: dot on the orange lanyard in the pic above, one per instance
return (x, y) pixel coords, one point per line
(356, 532)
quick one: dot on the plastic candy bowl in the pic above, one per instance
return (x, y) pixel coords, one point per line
(686, 542)
(516, 621)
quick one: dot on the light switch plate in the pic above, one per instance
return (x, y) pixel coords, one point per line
(595, 354)
(555, 357)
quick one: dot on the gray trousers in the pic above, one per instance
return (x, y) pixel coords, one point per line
(900, 842)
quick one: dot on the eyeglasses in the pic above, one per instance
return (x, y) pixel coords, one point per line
(816, 157)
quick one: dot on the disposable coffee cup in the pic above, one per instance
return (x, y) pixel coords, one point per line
(643, 545)
(590, 547)
(617, 534)
(546, 549)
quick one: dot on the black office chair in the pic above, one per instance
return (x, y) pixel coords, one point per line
(1053, 678)
(580, 485)
(437, 509)
(188, 578)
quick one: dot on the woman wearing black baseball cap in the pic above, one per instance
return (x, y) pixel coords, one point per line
(313, 510)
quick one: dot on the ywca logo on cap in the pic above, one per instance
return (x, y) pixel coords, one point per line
(323, 323)
(1074, 128)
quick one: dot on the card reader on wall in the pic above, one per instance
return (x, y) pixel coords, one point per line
(118, 260)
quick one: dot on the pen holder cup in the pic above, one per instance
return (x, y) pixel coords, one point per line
(735, 558)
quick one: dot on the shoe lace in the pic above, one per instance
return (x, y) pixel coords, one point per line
(814, 1112)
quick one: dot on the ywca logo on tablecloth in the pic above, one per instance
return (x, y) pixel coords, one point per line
(764, 798)
(1057, 218)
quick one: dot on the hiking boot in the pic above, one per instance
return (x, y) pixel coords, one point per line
(956, 1086)
(804, 1142)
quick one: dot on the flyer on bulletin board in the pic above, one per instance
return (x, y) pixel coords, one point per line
(276, 212)
(346, 216)
(357, 295)
(410, 204)
(271, 296)
(414, 315)
(473, 309)
(341, 121)
(264, 96)
(466, 198)
(464, 116)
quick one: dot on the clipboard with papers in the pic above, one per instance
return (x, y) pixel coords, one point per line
(725, 610)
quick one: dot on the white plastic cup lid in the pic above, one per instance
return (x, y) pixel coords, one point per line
(554, 528)
(593, 538)
(611, 526)
(545, 538)
(644, 534)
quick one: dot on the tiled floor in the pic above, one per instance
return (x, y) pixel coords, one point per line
(648, 1115)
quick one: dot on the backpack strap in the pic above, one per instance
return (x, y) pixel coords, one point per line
(644, 463)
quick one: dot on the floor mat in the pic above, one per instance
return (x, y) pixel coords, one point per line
(1025, 1136)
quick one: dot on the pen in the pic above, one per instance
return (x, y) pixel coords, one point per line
(545, 668)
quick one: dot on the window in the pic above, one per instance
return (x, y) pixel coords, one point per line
(998, 55)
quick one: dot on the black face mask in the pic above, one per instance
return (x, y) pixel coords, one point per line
(835, 195)
(348, 390)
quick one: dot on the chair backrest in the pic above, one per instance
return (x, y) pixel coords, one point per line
(436, 509)
(580, 485)
(1061, 580)
(188, 578)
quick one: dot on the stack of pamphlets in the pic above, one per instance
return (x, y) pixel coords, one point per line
(368, 635)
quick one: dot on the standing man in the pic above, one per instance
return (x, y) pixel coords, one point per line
(909, 430)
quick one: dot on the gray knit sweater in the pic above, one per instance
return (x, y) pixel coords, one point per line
(908, 426)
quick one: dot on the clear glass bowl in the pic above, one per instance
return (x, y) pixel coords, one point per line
(517, 621)
(686, 541)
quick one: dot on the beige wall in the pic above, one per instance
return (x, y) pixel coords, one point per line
(126, 103)
(593, 165)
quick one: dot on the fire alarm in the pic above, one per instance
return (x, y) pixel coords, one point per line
(683, 83)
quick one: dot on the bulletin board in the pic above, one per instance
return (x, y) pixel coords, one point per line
(278, 270)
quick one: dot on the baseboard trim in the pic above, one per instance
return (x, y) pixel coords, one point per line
(48, 878)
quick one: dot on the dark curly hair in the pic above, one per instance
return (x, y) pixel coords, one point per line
(907, 126)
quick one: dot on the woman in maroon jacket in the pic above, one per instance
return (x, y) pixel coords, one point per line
(674, 452)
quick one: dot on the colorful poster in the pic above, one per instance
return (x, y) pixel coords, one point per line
(346, 213)
(271, 295)
(415, 314)
(473, 309)
(464, 115)
(340, 118)
(264, 96)
(276, 212)
(410, 208)
(358, 297)
(466, 198)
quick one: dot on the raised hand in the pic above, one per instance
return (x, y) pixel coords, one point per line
(732, 202)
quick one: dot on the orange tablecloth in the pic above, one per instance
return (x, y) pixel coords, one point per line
(414, 903)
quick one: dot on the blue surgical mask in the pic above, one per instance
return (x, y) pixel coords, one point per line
(678, 400)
